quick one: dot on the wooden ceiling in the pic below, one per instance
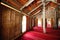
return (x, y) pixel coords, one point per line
(58, 1)
(31, 9)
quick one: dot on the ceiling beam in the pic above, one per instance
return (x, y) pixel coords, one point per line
(13, 8)
(36, 12)
(55, 1)
(28, 3)
(35, 8)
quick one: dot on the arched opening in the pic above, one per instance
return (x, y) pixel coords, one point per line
(49, 23)
(39, 23)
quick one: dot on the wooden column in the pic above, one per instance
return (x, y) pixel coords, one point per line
(55, 20)
(44, 30)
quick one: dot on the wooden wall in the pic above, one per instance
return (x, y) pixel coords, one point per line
(10, 23)
(0, 22)
(33, 22)
(36, 22)
(29, 23)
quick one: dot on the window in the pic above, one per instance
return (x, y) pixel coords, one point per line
(24, 24)
(59, 22)
(39, 23)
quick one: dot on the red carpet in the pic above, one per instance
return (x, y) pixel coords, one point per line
(37, 34)
(48, 30)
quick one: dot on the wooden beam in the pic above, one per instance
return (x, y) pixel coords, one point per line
(40, 13)
(55, 1)
(35, 8)
(36, 12)
(13, 8)
(27, 3)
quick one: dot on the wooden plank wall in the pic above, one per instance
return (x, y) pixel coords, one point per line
(10, 23)
(36, 22)
(33, 22)
(0, 22)
(29, 23)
